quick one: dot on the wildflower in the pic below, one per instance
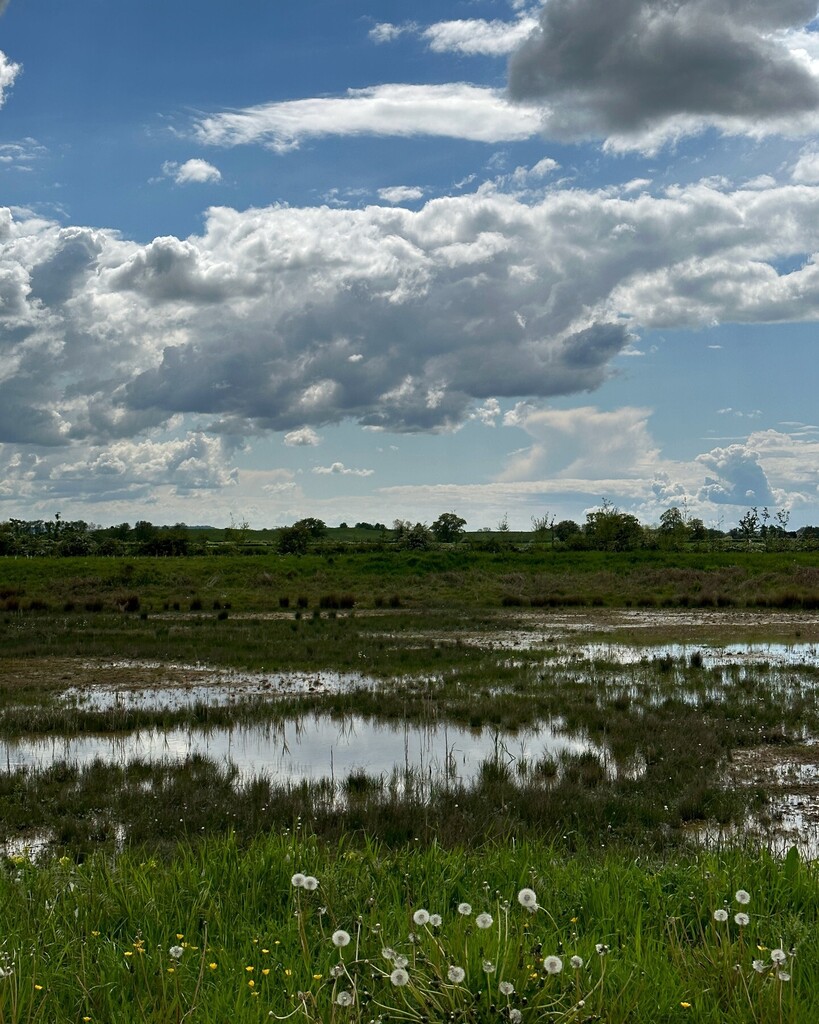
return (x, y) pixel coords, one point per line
(506, 988)
(421, 917)
(38, 988)
(465, 909)
(742, 896)
(341, 938)
(400, 961)
(742, 919)
(515, 1016)
(783, 975)
(528, 899)
(316, 977)
(759, 966)
(779, 956)
(484, 920)
(213, 965)
(436, 920)
(488, 967)
(176, 952)
(310, 883)
(721, 914)
(685, 1006)
(553, 965)
(251, 984)
(456, 975)
(345, 999)
(388, 953)
(399, 977)
(297, 880)
(576, 962)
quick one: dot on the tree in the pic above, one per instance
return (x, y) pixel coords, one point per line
(448, 527)
(541, 525)
(609, 529)
(294, 540)
(674, 530)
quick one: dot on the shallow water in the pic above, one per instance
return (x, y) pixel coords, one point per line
(311, 747)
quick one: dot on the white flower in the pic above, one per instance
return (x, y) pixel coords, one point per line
(465, 909)
(176, 952)
(721, 914)
(576, 962)
(421, 917)
(310, 883)
(742, 919)
(553, 965)
(515, 1016)
(742, 896)
(506, 988)
(297, 880)
(484, 920)
(779, 956)
(399, 977)
(345, 999)
(528, 899)
(435, 920)
(456, 975)
(341, 938)
(759, 966)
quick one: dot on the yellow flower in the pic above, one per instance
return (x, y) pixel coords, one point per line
(251, 983)
(265, 971)
(213, 966)
(685, 1006)
(129, 952)
(180, 935)
(94, 934)
(38, 988)
(86, 1019)
(265, 950)
(316, 977)
(248, 968)
(277, 942)
(171, 970)
(287, 971)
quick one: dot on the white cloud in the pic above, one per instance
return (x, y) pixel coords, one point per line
(339, 469)
(401, 194)
(193, 171)
(385, 32)
(8, 75)
(474, 36)
(806, 168)
(456, 110)
(305, 437)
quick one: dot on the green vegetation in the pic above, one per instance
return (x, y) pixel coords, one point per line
(291, 928)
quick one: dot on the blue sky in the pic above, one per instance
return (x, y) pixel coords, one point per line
(377, 261)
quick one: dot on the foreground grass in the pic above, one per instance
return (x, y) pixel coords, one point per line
(219, 932)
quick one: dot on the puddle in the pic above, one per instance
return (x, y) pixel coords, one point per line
(312, 747)
(776, 655)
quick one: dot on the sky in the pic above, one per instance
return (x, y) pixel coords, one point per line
(367, 260)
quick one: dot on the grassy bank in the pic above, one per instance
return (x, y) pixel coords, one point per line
(219, 932)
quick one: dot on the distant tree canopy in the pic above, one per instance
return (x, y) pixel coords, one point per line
(448, 527)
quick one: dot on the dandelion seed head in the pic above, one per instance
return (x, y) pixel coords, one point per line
(778, 956)
(553, 965)
(742, 919)
(456, 975)
(576, 962)
(742, 896)
(515, 1016)
(783, 975)
(341, 938)
(388, 953)
(465, 909)
(176, 952)
(421, 917)
(721, 914)
(488, 967)
(310, 883)
(435, 920)
(601, 948)
(506, 988)
(345, 999)
(759, 966)
(400, 962)
(527, 898)
(484, 920)
(399, 977)
(337, 970)
(297, 880)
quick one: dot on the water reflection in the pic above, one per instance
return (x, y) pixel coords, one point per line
(308, 747)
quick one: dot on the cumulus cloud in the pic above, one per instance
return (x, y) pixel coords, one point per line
(385, 32)
(8, 74)
(455, 110)
(193, 171)
(398, 319)
(806, 168)
(306, 437)
(401, 194)
(339, 469)
(639, 71)
(739, 478)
